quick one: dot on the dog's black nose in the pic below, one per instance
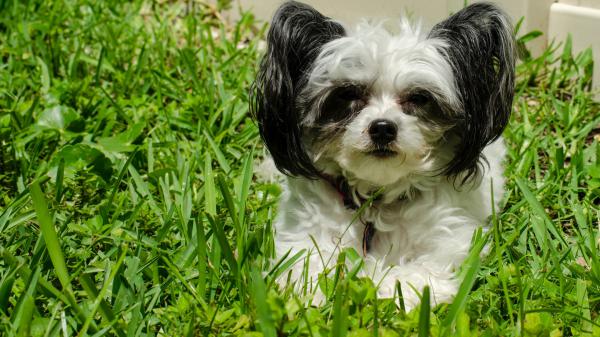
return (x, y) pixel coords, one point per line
(382, 131)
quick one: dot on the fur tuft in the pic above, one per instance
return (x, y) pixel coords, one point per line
(480, 47)
(294, 40)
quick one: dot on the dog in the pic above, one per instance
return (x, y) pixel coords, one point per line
(390, 142)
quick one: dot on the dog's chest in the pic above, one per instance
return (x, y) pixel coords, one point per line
(315, 212)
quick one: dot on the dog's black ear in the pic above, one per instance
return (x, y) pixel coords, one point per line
(480, 46)
(294, 41)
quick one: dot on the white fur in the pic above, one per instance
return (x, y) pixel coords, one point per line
(418, 243)
(420, 240)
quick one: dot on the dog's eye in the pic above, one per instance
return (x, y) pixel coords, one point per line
(343, 103)
(349, 93)
(418, 98)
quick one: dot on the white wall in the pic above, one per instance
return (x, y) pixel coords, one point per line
(555, 18)
(535, 12)
(582, 3)
(583, 24)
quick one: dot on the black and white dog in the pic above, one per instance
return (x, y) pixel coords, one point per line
(414, 117)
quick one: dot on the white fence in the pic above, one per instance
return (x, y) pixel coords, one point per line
(556, 19)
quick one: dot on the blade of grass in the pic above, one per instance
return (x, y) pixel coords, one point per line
(424, 314)
(460, 300)
(105, 309)
(59, 179)
(23, 310)
(54, 249)
(201, 251)
(283, 264)
(230, 204)
(225, 247)
(259, 293)
(99, 299)
(50, 236)
(247, 173)
(117, 183)
(25, 273)
(400, 297)
(217, 152)
(340, 311)
(210, 194)
(473, 263)
(538, 209)
(6, 288)
(584, 308)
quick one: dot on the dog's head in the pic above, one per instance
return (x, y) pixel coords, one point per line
(381, 107)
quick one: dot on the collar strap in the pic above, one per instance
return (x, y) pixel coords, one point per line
(368, 234)
(343, 188)
(351, 201)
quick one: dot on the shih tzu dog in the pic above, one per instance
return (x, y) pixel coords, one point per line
(390, 141)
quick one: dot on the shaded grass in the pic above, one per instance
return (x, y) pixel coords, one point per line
(128, 123)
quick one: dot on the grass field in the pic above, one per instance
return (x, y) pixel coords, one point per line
(128, 205)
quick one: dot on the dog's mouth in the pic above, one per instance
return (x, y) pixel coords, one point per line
(382, 152)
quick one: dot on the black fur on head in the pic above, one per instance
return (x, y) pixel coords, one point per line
(481, 50)
(294, 41)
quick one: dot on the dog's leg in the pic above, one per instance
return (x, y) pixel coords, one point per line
(413, 278)
(428, 259)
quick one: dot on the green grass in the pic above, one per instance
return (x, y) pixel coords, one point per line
(128, 205)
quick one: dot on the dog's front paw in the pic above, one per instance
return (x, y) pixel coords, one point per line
(442, 286)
